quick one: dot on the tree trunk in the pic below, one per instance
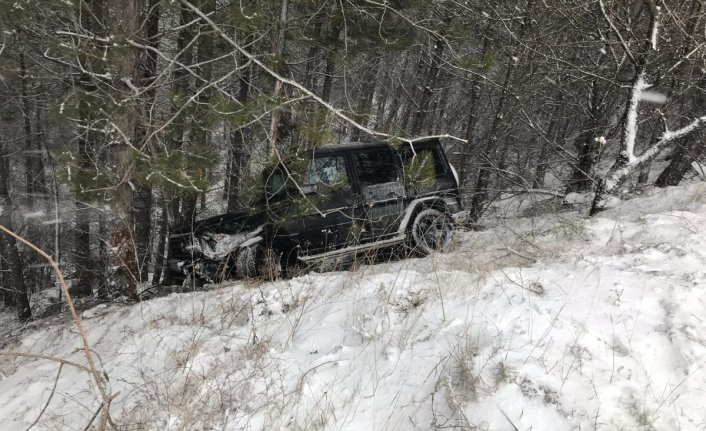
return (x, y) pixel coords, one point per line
(328, 75)
(427, 90)
(312, 57)
(542, 167)
(180, 87)
(200, 135)
(171, 207)
(440, 105)
(10, 252)
(278, 51)
(588, 150)
(367, 90)
(589, 145)
(685, 153)
(102, 279)
(85, 264)
(122, 19)
(480, 192)
(382, 99)
(394, 97)
(160, 237)
(237, 153)
(35, 182)
(142, 212)
(549, 139)
(6, 293)
(471, 153)
(87, 141)
(31, 188)
(625, 163)
(143, 192)
(412, 106)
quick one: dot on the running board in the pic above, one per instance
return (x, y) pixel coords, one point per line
(346, 250)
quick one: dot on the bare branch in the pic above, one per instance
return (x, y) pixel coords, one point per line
(97, 377)
(612, 26)
(292, 83)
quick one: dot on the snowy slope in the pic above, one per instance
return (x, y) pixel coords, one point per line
(547, 323)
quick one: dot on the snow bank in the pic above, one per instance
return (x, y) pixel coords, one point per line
(551, 323)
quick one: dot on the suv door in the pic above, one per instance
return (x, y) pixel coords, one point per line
(327, 205)
(380, 192)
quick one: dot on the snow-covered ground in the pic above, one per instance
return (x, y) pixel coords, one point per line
(552, 322)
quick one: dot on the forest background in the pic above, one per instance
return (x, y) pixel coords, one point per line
(122, 120)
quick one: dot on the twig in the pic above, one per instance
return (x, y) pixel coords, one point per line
(615, 30)
(53, 389)
(93, 418)
(48, 358)
(508, 418)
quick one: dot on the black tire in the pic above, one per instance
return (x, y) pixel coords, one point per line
(192, 282)
(173, 278)
(431, 231)
(257, 262)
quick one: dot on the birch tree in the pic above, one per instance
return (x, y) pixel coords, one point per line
(627, 163)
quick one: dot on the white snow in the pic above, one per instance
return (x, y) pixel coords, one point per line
(555, 322)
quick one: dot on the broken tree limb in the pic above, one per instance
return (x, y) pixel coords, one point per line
(91, 368)
(620, 172)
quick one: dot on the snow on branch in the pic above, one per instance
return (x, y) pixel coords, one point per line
(669, 136)
(627, 148)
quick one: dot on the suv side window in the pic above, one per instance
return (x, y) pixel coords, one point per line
(375, 167)
(378, 175)
(327, 170)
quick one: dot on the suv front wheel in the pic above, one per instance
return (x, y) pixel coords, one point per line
(431, 230)
(257, 262)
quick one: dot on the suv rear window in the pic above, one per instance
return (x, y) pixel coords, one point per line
(422, 159)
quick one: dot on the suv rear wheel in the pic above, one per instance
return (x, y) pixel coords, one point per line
(431, 230)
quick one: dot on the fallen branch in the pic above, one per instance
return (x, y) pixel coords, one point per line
(48, 358)
(98, 379)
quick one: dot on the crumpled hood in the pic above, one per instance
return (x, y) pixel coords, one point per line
(217, 246)
(216, 237)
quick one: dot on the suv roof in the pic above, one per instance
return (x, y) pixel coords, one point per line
(369, 145)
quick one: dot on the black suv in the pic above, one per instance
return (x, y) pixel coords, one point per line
(331, 202)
